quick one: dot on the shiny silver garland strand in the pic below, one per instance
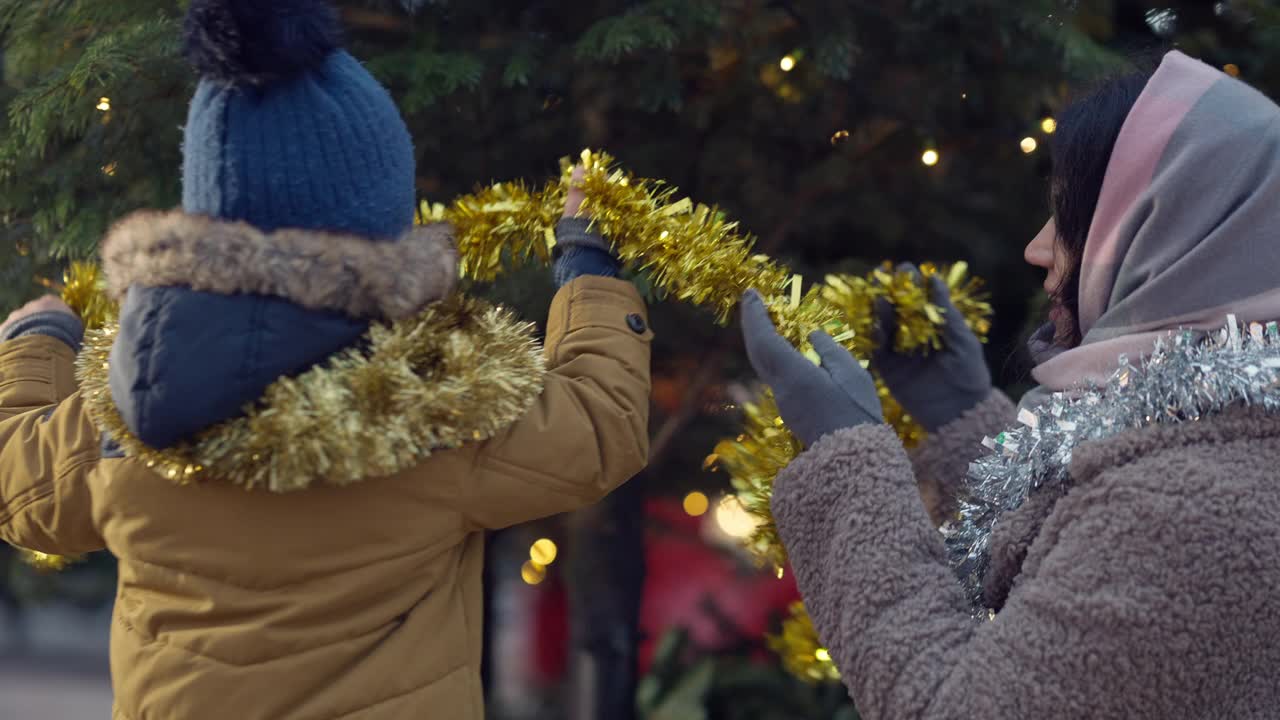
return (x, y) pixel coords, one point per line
(1187, 377)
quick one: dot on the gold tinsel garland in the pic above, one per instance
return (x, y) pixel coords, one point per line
(46, 563)
(800, 649)
(459, 372)
(84, 290)
(693, 253)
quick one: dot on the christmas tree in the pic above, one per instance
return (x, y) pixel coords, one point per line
(842, 133)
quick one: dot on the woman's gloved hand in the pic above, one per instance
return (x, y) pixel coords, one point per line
(578, 251)
(814, 401)
(940, 386)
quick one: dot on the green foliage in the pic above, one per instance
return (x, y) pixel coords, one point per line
(67, 167)
(683, 685)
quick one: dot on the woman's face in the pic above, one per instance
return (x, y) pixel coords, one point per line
(1043, 252)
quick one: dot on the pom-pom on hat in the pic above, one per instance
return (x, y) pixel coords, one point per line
(288, 130)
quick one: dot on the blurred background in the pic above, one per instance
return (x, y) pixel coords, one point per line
(843, 133)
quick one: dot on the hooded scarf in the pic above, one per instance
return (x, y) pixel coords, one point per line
(1186, 226)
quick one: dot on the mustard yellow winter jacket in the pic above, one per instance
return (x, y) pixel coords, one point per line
(359, 602)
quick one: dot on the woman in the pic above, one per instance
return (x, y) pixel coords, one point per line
(1121, 545)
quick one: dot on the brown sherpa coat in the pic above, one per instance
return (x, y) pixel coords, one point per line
(1148, 590)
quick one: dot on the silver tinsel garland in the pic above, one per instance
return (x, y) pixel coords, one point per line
(1186, 378)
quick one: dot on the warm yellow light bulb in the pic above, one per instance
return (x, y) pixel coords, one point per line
(930, 158)
(733, 518)
(104, 104)
(1231, 69)
(696, 504)
(1029, 145)
(543, 552)
(532, 573)
(787, 63)
(1048, 125)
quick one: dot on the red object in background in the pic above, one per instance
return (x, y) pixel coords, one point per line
(717, 595)
(550, 631)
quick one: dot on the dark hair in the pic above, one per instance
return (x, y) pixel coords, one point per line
(1086, 134)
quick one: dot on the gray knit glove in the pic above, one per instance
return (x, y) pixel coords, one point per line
(814, 401)
(939, 386)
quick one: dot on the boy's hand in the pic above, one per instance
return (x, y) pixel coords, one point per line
(48, 303)
(44, 316)
(580, 249)
(573, 202)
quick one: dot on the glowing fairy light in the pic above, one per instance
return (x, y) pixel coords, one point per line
(532, 573)
(696, 504)
(733, 518)
(543, 552)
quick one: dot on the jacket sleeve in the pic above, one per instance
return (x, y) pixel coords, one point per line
(1100, 624)
(942, 460)
(47, 448)
(46, 455)
(589, 430)
(36, 371)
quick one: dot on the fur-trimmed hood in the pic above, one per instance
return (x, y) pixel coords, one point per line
(213, 312)
(317, 270)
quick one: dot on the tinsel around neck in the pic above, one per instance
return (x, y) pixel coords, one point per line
(458, 372)
(1185, 379)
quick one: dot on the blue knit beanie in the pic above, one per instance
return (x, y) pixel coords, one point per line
(286, 129)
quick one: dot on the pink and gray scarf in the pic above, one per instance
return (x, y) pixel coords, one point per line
(1187, 228)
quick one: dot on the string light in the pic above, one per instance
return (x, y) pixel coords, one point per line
(1029, 145)
(733, 519)
(532, 573)
(787, 63)
(930, 157)
(839, 137)
(109, 169)
(1049, 125)
(1231, 69)
(104, 104)
(543, 552)
(696, 504)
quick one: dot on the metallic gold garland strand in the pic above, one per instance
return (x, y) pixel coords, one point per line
(801, 652)
(301, 430)
(84, 291)
(44, 562)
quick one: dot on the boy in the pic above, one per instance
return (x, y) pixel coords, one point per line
(341, 599)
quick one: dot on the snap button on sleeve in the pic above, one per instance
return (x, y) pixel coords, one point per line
(636, 323)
